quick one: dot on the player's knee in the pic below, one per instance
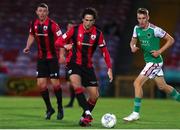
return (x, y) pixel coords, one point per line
(93, 99)
(136, 84)
(42, 85)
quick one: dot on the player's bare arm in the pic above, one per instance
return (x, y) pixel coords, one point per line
(29, 43)
(133, 45)
(169, 41)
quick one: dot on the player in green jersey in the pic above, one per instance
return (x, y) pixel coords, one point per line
(149, 35)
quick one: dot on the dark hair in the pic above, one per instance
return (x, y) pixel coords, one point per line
(43, 5)
(143, 11)
(71, 22)
(90, 11)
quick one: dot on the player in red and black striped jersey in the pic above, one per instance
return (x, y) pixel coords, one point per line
(46, 31)
(85, 38)
(70, 24)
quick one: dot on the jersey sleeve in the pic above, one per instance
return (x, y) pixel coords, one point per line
(104, 50)
(158, 32)
(63, 39)
(134, 32)
(56, 30)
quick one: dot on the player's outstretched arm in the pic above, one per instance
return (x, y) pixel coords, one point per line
(133, 45)
(29, 43)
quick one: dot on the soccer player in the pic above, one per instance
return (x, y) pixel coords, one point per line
(45, 31)
(149, 35)
(72, 92)
(85, 38)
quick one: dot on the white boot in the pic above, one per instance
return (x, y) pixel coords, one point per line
(132, 117)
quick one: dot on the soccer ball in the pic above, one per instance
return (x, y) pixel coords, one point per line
(108, 120)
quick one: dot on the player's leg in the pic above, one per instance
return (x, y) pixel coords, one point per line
(54, 77)
(42, 79)
(42, 83)
(71, 90)
(90, 82)
(79, 91)
(162, 85)
(93, 93)
(58, 94)
(75, 76)
(72, 96)
(138, 84)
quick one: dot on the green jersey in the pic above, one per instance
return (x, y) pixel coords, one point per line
(150, 40)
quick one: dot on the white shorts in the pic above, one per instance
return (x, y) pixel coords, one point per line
(151, 70)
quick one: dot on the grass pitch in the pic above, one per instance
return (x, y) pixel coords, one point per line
(28, 113)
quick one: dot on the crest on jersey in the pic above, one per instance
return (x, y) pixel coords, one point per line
(93, 37)
(149, 35)
(45, 28)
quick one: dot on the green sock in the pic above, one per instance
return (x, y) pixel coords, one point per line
(137, 104)
(175, 95)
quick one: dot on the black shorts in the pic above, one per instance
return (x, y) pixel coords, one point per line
(87, 75)
(48, 68)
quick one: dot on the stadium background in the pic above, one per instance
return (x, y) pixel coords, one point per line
(116, 18)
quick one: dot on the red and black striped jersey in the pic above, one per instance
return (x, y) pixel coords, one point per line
(84, 43)
(46, 34)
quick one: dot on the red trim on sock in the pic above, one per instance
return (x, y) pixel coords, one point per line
(43, 89)
(79, 90)
(56, 88)
(92, 102)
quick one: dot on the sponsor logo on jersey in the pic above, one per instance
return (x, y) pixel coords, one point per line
(84, 44)
(40, 34)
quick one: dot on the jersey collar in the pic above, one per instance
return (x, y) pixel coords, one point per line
(87, 31)
(45, 22)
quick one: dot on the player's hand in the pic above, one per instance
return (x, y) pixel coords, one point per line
(110, 74)
(155, 53)
(26, 50)
(68, 46)
(134, 49)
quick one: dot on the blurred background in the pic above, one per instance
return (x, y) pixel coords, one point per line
(117, 19)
